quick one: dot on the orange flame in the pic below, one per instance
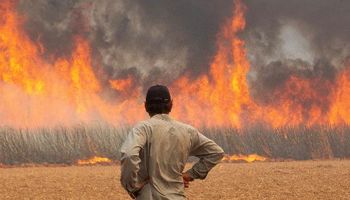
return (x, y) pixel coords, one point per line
(245, 158)
(121, 85)
(94, 160)
(340, 110)
(222, 96)
(38, 92)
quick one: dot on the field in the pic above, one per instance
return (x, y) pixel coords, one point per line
(67, 145)
(307, 177)
(265, 180)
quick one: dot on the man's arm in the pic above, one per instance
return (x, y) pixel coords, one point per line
(130, 160)
(209, 154)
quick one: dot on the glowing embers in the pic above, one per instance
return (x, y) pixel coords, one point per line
(95, 160)
(243, 158)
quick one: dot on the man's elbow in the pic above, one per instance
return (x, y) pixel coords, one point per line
(219, 156)
(216, 157)
(215, 154)
(220, 153)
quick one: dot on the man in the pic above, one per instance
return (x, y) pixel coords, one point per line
(155, 152)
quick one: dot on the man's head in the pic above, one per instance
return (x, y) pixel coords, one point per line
(158, 100)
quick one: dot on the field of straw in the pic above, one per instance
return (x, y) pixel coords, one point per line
(265, 180)
(62, 145)
(307, 177)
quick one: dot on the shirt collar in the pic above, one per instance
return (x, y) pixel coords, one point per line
(165, 117)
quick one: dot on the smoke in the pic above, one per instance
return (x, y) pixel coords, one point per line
(307, 30)
(162, 38)
(305, 39)
(50, 23)
(158, 41)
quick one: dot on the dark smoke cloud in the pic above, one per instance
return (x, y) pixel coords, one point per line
(49, 22)
(325, 24)
(319, 28)
(163, 38)
(273, 77)
(158, 40)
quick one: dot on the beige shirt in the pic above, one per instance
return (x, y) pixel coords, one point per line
(156, 151)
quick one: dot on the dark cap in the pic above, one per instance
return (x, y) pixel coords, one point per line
(158, 94)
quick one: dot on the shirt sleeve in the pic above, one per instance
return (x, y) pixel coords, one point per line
(130, 159)
(208, 152)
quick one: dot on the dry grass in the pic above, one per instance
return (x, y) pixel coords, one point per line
(279, 180)
(66, 145)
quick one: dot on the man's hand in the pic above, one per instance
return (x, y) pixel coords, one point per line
(139, 187)
(187, 179)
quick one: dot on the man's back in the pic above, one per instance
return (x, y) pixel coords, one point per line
(156, 151)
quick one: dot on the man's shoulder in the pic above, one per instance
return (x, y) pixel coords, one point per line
(145, 124)
(152, 122)
(182, 124)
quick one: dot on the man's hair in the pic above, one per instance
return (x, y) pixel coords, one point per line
(158, 108)
(158, 100)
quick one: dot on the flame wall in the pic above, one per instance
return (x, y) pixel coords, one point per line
(227, 63)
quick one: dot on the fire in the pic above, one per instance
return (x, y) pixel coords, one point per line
(293, 106)
(37, 91)
(223, 98)
(94, 160)
(340, 110)
(121, 85)
(222, 95)
(245, 158)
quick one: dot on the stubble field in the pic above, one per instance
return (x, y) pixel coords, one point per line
(270, 180)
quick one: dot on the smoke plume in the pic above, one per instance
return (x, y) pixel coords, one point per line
(160, 40)
(157, 39)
